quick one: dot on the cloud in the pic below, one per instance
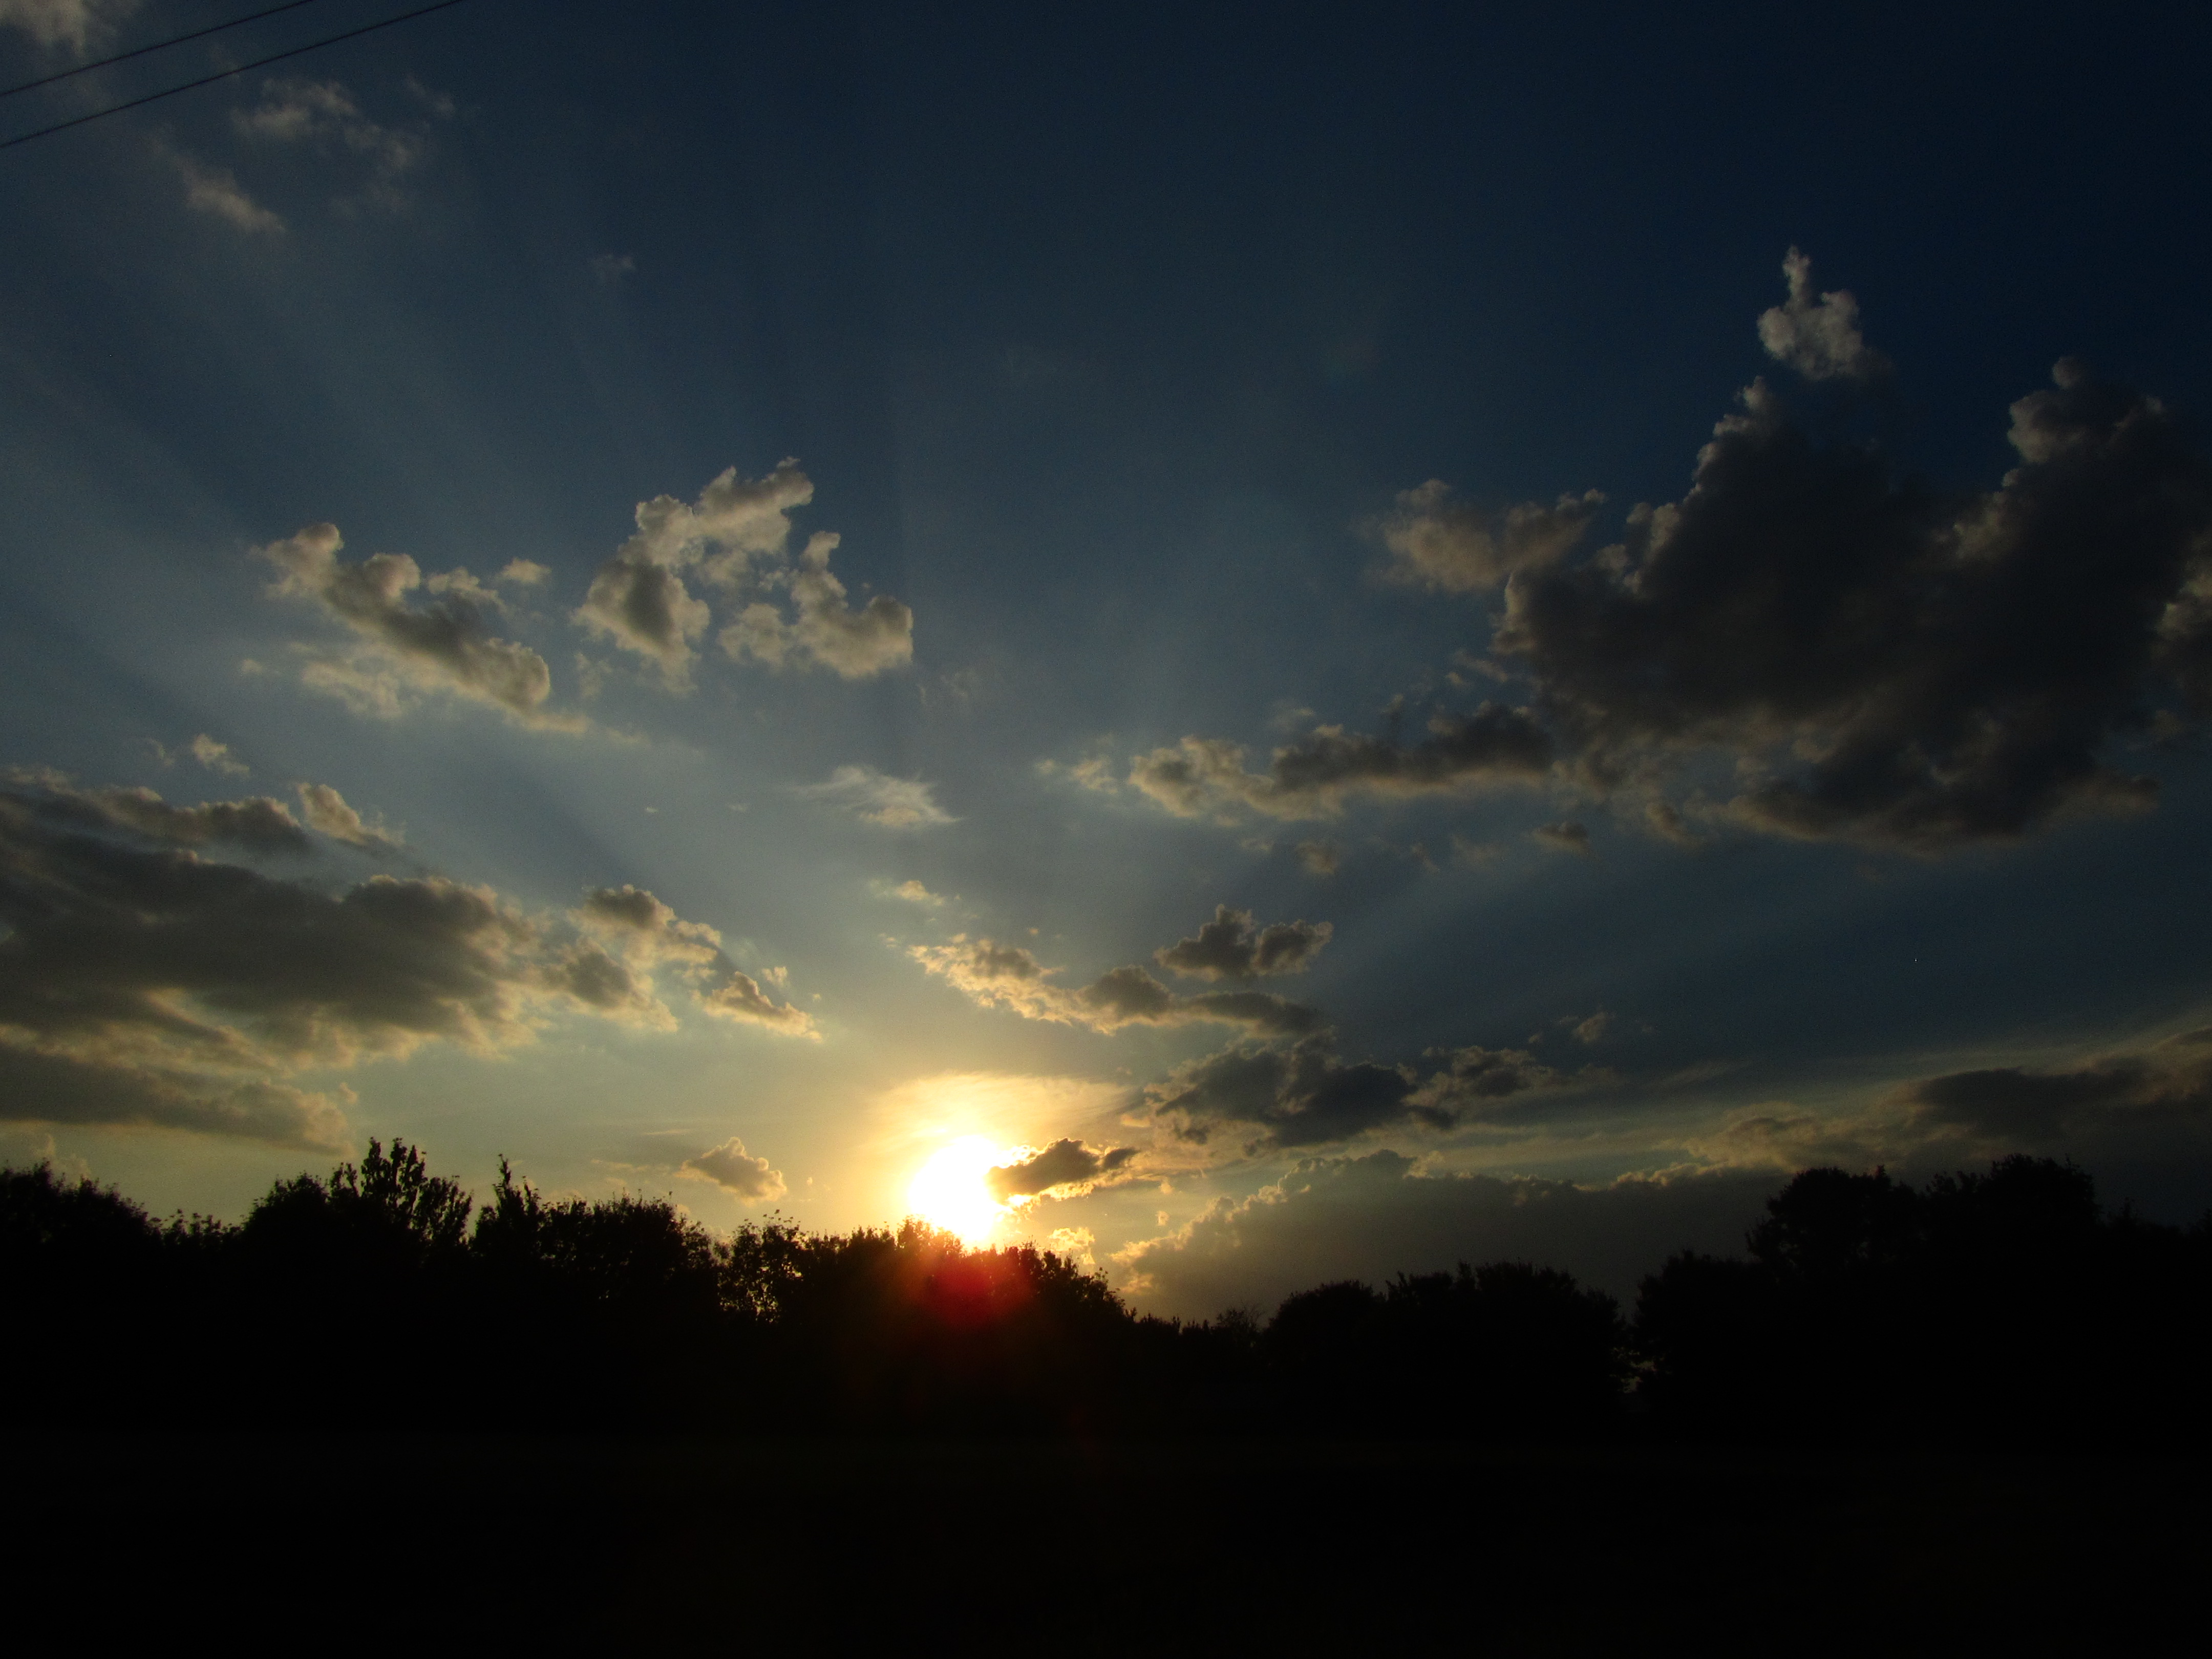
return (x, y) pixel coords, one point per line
(1882, 663)
(1231, 947)
(258, 823)
(444, 645)
(325, 115)
(1871, 659)
(523, 573)
(1007, 976)
(1371, 1217)
(1304, 1096)
(2013, 1106)
(1314, 777)
(824, 631)
(646, 934)
(611, 268)
(1590, 1030)
(1565, 836)
(326, 810)
(1820, 338)
(216, 193)
(638, 600)
(869, 795)
(72, 23)
(1319, 858)
(1065, 1169)
(142, 981)
(729, 1167)
(218, 757)
(1438, 543)
(913, 892)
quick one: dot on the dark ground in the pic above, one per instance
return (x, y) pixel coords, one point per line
(421, 1543)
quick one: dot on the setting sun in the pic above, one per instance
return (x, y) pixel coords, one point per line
(950, 1191)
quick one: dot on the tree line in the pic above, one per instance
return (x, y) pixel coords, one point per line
(2003, 1307)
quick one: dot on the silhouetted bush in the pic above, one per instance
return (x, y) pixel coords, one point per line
(2002, 1306)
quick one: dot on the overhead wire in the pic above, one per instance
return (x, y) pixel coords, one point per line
(158, 45)
(224, 74)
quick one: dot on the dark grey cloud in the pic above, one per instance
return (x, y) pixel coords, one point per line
(256, 823)
(1891, 664)
(1314, 776)
(995, 976)
(1374, 1216)
(1305, 1096)
(142, 981)
(1868, 657)
(1231, 946)
(1065, 1167)
(2013, 1105)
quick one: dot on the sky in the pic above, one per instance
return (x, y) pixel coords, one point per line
(1260, 644)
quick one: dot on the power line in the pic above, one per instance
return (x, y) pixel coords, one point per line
(209, 80)
(159, 46)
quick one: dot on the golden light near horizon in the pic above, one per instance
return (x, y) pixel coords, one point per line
(950, 1190)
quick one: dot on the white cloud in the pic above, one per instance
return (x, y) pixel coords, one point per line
(326, 810)
(824, 631)
(216, 193)
(218, 757)
(72, 23)
(869, 795)
(638, 600)
(1438, 542)
(729, 1167)
(1820, 338)
(993, 975)
(444, 645)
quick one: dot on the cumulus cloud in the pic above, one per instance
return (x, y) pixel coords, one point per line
(1374, 1216)
(142, 981)
(1438, 542)
(913, 892)
(1319, 858)
(75, 24)
(326, 810)
(1304, 1096)
(1314, 776)
(1007, 976)
(1818, 337)
(729, 1167)
(1231, 946)
(443, 644)
(873, 797)
(645, 934)
(735, 536)
(824, 631)
(523, 573)
(1064, 1169)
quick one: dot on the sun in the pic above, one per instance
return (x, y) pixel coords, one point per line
(950, 1191)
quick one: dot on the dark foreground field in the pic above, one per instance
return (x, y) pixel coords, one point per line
(421, 1544)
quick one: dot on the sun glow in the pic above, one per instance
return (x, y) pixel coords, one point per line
(950, 1191)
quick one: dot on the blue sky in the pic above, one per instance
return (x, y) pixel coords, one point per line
(1119, 356)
